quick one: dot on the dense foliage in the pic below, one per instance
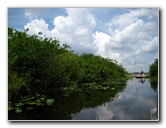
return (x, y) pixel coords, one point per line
(154, 74)
(154, 68)
(37, 65)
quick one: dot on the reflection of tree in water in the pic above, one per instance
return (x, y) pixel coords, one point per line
(66, 104)
(154, 83)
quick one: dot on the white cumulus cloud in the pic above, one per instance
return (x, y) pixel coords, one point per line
(130, 35)
(36, 26)
(76, 29)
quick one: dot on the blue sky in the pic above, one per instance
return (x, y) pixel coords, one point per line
(129, 35)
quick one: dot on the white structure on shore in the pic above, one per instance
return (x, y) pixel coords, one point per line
(140, 75)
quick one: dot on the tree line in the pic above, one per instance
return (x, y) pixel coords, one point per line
(37, 64)
(154, 69)
(153, 72)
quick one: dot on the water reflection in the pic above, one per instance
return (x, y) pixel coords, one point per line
(67, 104)
(142, 80)
(127, 101)
(99, 113)
(154, 84)
(134, 103)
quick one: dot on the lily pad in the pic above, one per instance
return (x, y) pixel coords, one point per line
(10, 108)
(29, 108)
(50, 101)
(31, 103)
(42, 99)
(25, 99)
(19, 104)
(18, 110)
(39, 104)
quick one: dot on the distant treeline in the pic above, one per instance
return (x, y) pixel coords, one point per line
(37, 64)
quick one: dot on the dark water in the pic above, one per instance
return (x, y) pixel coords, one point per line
(132, 100)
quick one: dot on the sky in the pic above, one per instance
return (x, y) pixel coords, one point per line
(128, 35)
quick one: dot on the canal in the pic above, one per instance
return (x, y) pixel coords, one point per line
(136, 99)
(134, 103)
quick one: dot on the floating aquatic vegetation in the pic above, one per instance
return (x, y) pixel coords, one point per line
(30, 103)
(50, 101)
(19, 104)
(10, 106)
(112, 88)
(29, 108)
(26, 98)
(18, 110)
(27, 102)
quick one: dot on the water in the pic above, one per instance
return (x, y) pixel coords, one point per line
(134, 103)
(132, 100)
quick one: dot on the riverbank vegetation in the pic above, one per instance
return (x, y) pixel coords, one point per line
(154, 69)
(154, 73)
(37, 65)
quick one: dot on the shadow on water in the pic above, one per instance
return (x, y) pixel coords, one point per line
(66, 104)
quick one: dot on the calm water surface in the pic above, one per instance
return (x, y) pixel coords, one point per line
(134, 103)
(125, 101)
